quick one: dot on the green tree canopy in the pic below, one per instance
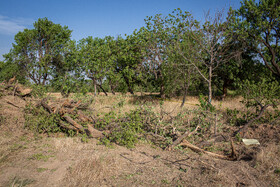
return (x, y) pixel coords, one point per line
(37, 52)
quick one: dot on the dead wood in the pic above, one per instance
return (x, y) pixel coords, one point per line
(46, 106)
(83, 117)
(245, 127)
(67, 126)
(73, 122)
(12, 104)
(65, 110)
(11, 81)
(93, 132)
(234, 154)
(199, 150)
(18, 90)
(180, 139)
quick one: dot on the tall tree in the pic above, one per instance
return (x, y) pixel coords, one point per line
(209, 45)
(37, 51)
(96, 58)
(258, 25)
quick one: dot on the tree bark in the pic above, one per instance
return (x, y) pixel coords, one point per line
(103, 90)
(263, 108)
(187, 85)
(162, 94)
(210, 85)
(225, 86)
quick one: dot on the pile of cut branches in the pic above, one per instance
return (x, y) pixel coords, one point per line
(71, 116)
(12, 87)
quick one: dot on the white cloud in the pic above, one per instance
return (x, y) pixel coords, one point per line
(11, 26)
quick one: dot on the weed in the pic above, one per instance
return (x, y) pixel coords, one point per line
(2, 120)
(238, 137)
(18, 182)
(164, 181)
(39, 156)
(40, 170)
(277, 171)
(84, 138)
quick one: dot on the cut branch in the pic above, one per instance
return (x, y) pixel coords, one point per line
(199, 150)
(180, 139)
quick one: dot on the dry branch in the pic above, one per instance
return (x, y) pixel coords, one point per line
(74, 123)
(12, 104)
(199, 150)
(180, 139)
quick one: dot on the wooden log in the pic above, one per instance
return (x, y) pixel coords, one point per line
(46, 106)
(73, 122)
(66, 126)
(199, 150)
(93, 132)
(83, 117)
(64, 113)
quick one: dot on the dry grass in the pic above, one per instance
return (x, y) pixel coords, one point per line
(267, 160)
(90, 171)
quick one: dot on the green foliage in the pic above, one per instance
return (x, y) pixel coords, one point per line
(234, 117)
(9, 69)
(124, 129)
(38, 91)
(260, 93)
(257, 25)
(37, 52)
(39, 121)
(84, 138)
(205, 105)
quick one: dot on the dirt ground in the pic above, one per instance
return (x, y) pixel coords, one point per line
(27, 159)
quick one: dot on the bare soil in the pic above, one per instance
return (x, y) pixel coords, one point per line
(27, 159)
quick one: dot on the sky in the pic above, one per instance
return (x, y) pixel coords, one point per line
(97, 18)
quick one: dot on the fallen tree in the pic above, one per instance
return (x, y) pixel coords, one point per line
(70, 108)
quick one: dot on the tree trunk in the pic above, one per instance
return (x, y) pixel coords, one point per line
(103, 90)
(128, 85)
(186, 85)
(112, 90)
(225, 86)
(162, 94)
(112, 87)
(95, 88)
(94, 85)
(210, 85)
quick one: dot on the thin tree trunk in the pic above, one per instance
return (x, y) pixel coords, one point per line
(187, 85)
(95, 88)
(162, 94)
(112, 90)
(210, 85)
(128, 85)
(225, 86)
(103, 90)
(112, 87)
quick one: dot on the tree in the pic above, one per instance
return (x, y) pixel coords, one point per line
(258, 26)
(208, 45)
(128, 62)
(38, 51)
(157, 40)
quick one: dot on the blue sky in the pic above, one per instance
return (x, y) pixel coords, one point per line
(97, 18)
